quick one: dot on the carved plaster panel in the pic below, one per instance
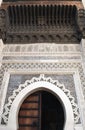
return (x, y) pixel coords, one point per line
(44, 67)
(16, 79)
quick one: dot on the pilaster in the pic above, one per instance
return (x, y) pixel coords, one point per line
(83, 62)
(1, 48)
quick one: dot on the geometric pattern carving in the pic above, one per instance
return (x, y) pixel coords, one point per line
(45, 66)
(7, 107)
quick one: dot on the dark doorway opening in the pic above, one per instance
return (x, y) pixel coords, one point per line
(41, 111)
(52, 112)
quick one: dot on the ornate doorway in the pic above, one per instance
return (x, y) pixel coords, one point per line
(60, 96)
(41, 111)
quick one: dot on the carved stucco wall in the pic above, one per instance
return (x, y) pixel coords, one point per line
(61, 62)
(67, 79)
(17, 79)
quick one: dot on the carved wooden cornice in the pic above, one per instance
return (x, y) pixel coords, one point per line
(41, 23)
(78, 3)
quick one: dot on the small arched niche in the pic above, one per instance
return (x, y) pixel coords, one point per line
(41, 111)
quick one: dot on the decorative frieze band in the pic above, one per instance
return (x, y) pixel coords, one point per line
(40, 48)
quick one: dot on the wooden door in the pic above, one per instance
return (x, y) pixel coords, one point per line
(29, 114)
(41, 111)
